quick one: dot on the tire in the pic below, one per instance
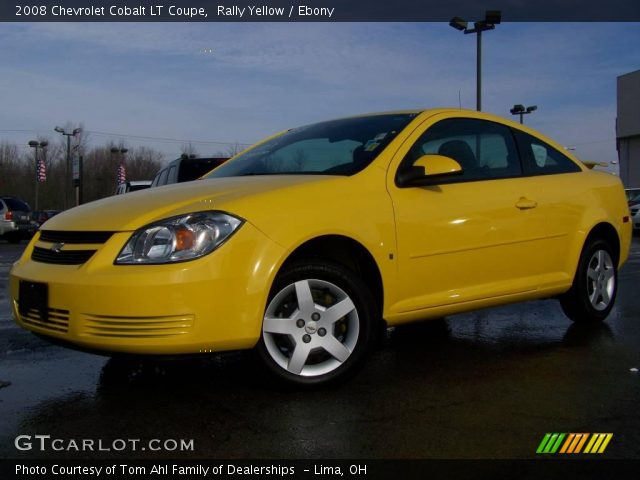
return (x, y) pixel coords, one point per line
(595, 285)
(303, 341)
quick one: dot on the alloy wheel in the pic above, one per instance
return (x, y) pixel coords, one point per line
(311, 327)
(600, 279)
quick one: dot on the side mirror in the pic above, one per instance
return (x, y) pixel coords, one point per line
(427, 169)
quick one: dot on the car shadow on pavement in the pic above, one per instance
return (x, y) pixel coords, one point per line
(404, 349)
(426, 374)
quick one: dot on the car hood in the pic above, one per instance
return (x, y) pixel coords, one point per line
(121, 213)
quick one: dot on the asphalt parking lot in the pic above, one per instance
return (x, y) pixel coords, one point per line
(487, 384)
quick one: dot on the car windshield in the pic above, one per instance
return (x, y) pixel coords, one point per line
(338, 147)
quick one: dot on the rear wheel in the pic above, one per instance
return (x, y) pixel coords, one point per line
(594, 288)
(318, 325)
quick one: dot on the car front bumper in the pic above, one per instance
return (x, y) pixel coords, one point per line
(214, 303)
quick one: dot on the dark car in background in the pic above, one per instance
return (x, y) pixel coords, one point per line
(15, 220)
(41, 216)
(185, 169)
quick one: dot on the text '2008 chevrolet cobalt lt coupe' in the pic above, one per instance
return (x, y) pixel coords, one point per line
(304, 245)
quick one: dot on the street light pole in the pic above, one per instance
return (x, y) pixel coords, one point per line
(68, 181)
(521, 110)
(492, 18)
(479, 71)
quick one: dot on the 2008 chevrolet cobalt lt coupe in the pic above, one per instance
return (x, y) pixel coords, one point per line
(306, 244)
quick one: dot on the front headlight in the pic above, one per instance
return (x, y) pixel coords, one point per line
(178, 239)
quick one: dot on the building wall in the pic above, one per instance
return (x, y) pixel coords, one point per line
(628, 128)
(629, 104)
(629, 157)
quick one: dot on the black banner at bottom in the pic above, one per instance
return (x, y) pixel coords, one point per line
(538, 469)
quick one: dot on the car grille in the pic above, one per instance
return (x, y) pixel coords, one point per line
(57, 320)
(55, 236)
(136, 327)
(61, 257)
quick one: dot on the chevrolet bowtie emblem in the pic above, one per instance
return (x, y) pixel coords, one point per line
(57, 247)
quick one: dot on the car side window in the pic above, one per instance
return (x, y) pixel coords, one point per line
(163, 177)
(485, 150)
(540, 158)
(171, 176)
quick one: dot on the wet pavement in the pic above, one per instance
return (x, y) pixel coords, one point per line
(487, 384)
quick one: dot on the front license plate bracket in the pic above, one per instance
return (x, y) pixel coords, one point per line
(33, 297)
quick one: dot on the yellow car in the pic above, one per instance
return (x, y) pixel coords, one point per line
(307, 244)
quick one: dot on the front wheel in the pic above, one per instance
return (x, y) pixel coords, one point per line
(318, 325)
(594, 288)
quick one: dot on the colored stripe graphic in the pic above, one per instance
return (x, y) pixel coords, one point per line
(556, 445)
(550, 443)
(608, 438)
(574, 443)
(576, 440)
(543, 443)
(583, 439)
(594, 437)
(598, 442)
(567, 443)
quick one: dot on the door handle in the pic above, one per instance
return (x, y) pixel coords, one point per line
(526, 204)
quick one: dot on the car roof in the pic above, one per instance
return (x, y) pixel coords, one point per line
(428, 112)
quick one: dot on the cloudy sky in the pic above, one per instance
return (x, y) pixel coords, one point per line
(228, 83)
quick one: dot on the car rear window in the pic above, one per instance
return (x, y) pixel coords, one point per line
(15, 204)
(539, 158)
(193, 169)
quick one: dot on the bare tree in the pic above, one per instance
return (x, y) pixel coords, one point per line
(234, 149)
(143, 163)
(9, 161)
(18, 169)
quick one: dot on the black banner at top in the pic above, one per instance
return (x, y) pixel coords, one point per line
(316, 10)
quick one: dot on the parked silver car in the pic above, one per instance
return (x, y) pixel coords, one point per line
(635, 217)
(15, 220)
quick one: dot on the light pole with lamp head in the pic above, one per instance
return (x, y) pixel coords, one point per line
(68, 167)
(491, 19)
(522, 110)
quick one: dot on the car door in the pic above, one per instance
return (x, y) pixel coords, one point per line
(462, 238)
(550, 181)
